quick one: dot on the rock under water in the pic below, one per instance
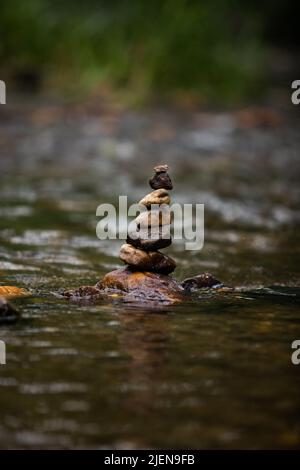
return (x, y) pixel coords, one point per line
(8, 314)
(131, 285)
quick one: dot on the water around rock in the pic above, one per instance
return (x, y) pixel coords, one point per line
(193, 365)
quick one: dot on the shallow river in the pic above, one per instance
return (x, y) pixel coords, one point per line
(215, 372)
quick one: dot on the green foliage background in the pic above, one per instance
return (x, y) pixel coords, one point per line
(211, 49)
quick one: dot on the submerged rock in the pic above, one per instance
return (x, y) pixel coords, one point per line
(131, 285)
(84, 292)
(138, 285)
(128, 279)
(8, 314)
(204, 280)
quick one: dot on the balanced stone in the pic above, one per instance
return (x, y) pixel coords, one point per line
(145, 278)
(151, 239)
(161, 181)
(163, 168)
(154, 218)
(146, 261)
(157, 197)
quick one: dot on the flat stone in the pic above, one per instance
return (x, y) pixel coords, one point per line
(163, 168)
(146, 261)
(154, 218)
(161, 181)
(152, 239)
(157, 197)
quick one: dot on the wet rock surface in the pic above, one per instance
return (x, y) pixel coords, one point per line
(204, 280)
(143, 285)
(84, 292)
(130, 285)
(8, 314)
(147, 261)
(128, 278)
(9, 292)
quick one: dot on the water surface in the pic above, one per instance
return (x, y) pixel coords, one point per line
(215, 372)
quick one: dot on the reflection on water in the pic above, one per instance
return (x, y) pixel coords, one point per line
(215, 372)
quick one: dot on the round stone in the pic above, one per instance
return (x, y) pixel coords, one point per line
(154, 218)
(161, 181)
(157, 197)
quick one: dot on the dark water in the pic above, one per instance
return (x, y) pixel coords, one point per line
(215, 372)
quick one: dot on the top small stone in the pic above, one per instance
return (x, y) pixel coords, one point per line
(161, 179)
(161, 168)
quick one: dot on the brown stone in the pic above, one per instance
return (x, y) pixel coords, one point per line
(204, 280)
(146, 261)
(157, 197)
(152, 239)
(84, 292)
(163, 168)
(161, 181)
(10, 292)
(142, 286)
(154, 218)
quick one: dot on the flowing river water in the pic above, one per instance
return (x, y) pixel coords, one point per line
(214, 372)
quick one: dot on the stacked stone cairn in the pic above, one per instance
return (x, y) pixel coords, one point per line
(151, 230)
(145, 278)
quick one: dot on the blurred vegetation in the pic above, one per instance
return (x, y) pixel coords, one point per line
(209, 49)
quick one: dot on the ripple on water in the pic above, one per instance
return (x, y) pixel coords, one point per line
(39, 237)
(52, 388)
